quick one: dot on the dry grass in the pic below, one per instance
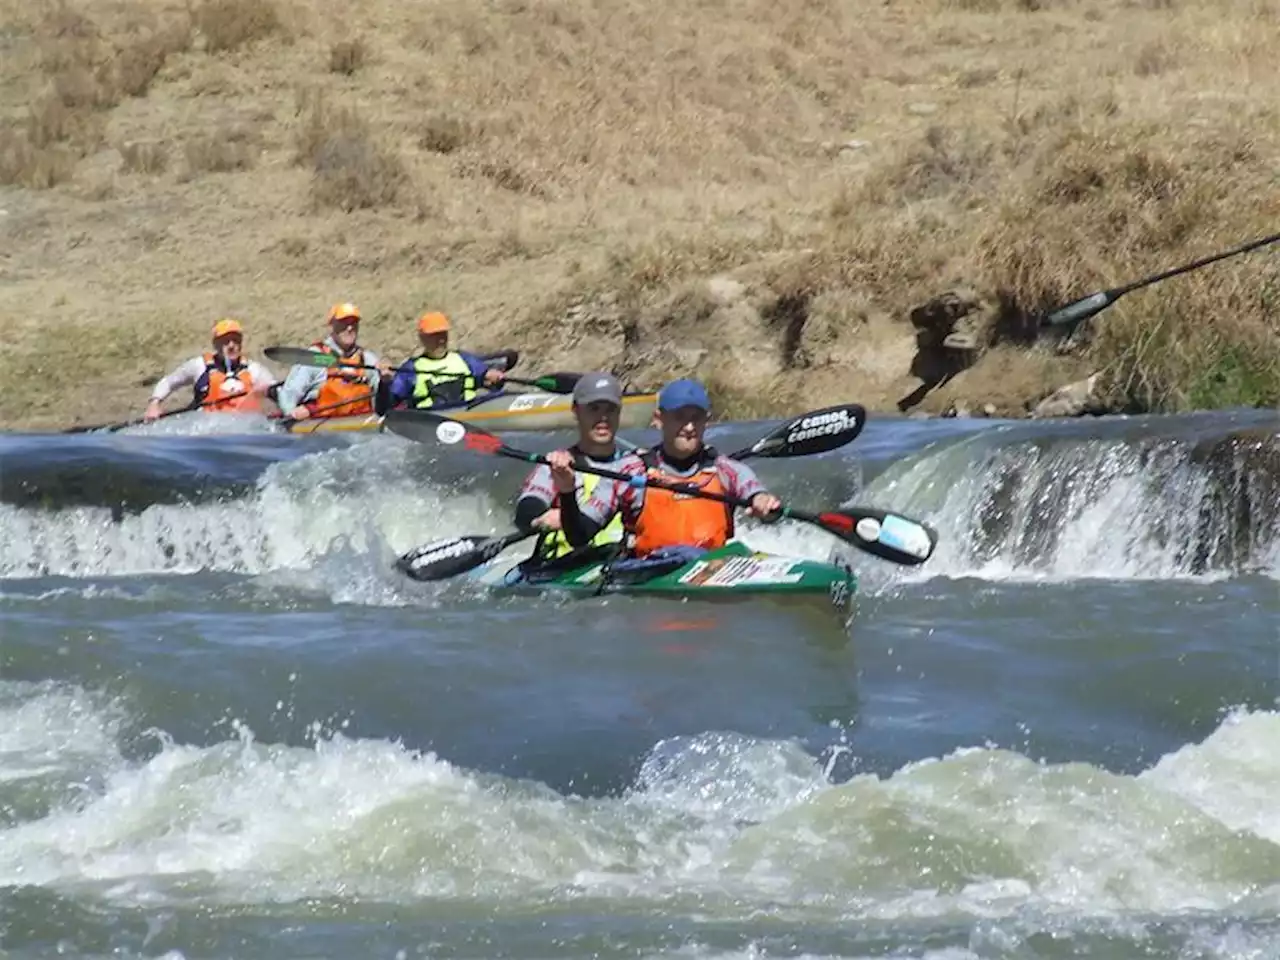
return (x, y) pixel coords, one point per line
(81, 75)
(348, 56)
(230, 24)
(141, 157)
(223, 151)
(846, 163)
(442, 133)
(353, 170)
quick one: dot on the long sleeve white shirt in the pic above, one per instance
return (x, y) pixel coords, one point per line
(188, 373)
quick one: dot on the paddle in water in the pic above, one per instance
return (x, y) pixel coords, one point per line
(1086, 307)
(889, 536)
(454, 556)
(302, 356)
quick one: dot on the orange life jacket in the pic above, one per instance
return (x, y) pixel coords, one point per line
(670, 519)
(226, 392)
(344, 393)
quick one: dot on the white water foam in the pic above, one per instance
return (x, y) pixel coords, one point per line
(1021, 513)
(47, 728)
(354, 501)
(1095, 510)
(1234, 944)
(335, 518)
(202, 424)
(717, 820)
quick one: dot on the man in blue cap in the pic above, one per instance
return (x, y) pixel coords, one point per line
(658, 521)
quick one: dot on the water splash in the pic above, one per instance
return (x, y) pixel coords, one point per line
(1053, 508)
(721, 821)
(357, 500)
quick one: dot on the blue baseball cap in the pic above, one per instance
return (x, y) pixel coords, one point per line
(683, 393)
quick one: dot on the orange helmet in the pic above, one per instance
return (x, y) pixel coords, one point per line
(344, 311)
(430, 323)
(226, 327)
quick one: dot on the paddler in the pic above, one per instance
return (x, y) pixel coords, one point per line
(349, 387)
(439, 375)
(597, 408)
(224, 380)
(662, 524)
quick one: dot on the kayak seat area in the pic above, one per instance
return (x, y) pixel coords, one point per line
(621, 571)
(633, 570)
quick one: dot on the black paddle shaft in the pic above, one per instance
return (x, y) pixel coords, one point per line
(1086, 307)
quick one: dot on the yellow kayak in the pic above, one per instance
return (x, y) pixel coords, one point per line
(500, 411)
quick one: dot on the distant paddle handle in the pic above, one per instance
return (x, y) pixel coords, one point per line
(307, 357)
(1204, 261)
(552, 382)
(1084, 308)
(112, 427)
(291, 421)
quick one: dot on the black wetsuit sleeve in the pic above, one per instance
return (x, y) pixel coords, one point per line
(578, 530)
(529, 509)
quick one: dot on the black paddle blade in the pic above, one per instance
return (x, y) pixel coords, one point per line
(449, 558)
(816, 432)
(889, 536)
(113, 427)
(423, 426)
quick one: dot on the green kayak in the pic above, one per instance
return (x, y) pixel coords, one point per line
(733, 572)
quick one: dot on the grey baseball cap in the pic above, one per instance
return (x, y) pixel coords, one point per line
(597, 385)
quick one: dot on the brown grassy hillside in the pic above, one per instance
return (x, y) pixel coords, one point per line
(564, 176)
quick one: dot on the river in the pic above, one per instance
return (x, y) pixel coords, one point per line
(229, 729)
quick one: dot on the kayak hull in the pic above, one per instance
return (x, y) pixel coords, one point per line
(734, 572)
(498, 412)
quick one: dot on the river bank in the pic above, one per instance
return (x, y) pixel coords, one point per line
(788, 200)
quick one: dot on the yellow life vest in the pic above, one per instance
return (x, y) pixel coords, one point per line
(447, 381)
(554, 544)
